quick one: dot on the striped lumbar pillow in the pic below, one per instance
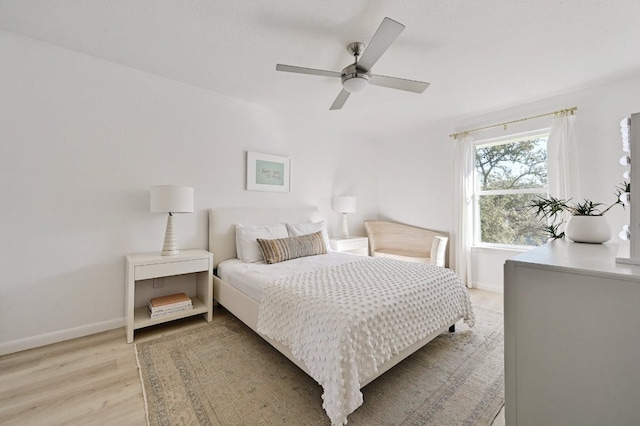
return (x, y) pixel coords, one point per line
(281, 249)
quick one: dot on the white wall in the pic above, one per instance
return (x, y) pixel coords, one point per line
(419, 188)
(81, 142)
(415, 179)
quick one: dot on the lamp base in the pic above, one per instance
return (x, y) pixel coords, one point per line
(344, 231)
(170, 247)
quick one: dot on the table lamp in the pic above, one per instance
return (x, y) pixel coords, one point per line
(344, 204)
(171, 199)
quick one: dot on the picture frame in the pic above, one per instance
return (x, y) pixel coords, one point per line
(266, 172)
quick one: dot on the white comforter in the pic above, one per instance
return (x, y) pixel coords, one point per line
(343, 321)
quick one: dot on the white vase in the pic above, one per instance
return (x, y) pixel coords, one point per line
(588, 229)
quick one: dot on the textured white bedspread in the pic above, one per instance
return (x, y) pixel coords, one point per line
(343, 321)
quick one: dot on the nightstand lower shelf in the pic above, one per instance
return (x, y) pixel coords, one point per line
(141, 317)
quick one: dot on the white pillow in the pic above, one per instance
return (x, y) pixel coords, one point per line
(247, 247)
(299, 229)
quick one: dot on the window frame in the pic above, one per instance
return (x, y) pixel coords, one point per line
(502, 140)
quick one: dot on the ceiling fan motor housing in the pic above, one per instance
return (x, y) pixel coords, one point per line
(355, 79)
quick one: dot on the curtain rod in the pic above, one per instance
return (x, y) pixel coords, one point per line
(556, 113)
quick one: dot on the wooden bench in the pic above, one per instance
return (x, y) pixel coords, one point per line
(406, 242)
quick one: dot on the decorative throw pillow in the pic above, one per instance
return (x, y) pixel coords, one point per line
(281, 249)
(299, 229)
(247, 248)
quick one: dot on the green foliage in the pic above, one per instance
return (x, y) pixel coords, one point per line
(505, 219)
(551, 209)
(552, 231)
(548, 207)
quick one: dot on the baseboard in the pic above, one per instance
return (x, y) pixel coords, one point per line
(496, 288)
(59, 336)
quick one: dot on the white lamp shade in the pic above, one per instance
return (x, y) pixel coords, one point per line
(171, 199)
(344, 204)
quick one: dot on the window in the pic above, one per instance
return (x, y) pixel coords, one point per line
(509, 174)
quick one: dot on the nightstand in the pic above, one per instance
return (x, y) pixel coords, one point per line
(145, 266)
(355, 245)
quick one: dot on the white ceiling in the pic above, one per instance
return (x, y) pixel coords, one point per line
(478, 55)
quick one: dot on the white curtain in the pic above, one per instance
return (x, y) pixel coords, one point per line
(463, 206)
(562, 161)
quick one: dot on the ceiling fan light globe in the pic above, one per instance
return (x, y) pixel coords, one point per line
(355, 84)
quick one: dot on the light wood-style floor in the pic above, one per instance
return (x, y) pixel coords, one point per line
(94, 380)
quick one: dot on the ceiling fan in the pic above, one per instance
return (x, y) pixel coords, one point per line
(357, 76)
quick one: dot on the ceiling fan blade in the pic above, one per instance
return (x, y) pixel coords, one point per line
(311, 71)
(340, 100)
(399, 83)
(386, 33)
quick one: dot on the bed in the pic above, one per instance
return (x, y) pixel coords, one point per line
(341, 318)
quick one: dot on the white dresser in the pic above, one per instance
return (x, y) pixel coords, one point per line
(572, 337)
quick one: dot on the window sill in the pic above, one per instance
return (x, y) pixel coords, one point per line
(495, 249)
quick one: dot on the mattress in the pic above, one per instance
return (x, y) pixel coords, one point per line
(253, 278)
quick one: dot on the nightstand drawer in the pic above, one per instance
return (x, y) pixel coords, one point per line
(350, 245)
(354, 245)
(145, 272)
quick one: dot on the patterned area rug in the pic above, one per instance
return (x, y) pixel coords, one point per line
(225, 374)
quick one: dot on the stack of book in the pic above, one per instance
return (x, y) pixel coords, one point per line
(169, 305)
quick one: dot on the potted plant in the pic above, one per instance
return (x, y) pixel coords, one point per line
(586, 223)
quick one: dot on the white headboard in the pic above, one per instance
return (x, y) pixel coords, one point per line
(223, 221)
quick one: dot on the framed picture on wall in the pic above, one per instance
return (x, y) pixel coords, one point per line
(267, 172)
